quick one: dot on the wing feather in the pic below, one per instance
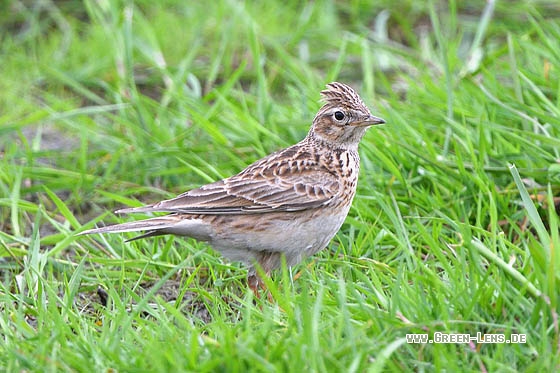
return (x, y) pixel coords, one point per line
(275, 183)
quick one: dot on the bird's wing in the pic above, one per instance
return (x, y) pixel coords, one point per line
(269, 185)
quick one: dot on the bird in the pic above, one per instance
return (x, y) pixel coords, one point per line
(290, 203)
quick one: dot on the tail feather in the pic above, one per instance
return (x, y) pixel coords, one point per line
(146, 208)
(153, 225)
(147, 234)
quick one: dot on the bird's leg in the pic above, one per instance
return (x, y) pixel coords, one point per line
(255, 283)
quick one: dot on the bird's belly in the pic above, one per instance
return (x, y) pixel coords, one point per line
(297, 235)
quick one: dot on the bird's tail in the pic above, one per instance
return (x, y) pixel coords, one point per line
(153, 227)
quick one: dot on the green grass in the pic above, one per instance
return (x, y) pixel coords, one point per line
(106, 104)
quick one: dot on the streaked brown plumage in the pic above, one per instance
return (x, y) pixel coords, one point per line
(290, 203)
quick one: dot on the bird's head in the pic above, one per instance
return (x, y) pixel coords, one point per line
(344, 118)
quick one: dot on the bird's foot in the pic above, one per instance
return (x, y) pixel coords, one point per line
(256, 284)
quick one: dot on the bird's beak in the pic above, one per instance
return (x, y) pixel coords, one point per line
(368, 120)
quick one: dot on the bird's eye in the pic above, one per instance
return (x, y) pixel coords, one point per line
(339, 115)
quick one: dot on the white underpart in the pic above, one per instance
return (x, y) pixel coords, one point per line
(296, 239)
(195, 228)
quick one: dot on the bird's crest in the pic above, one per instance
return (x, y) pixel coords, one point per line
(341, 95)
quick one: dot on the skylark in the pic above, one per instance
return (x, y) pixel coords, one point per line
(289, 203)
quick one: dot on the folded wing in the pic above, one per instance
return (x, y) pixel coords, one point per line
(270, 185)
